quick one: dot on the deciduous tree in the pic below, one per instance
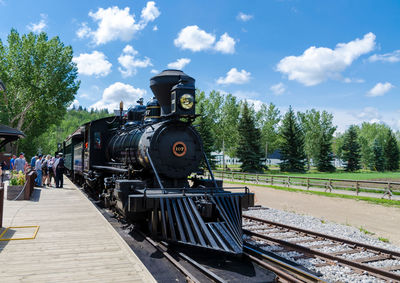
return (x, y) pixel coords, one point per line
(41, 82)
(268, 118)
(379, 157)
(203, 123)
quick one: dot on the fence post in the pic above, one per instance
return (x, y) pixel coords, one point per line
(357, 187)
(272, 180)
(256, 178)
(288, 181)
(388, 191)
(330, 185)
(308, 183)
(232, 176)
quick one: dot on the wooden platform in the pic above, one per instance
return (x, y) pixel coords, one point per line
(73, 244)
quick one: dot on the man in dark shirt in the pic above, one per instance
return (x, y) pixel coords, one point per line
(60, 172)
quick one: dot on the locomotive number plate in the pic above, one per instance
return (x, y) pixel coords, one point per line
(179, 149)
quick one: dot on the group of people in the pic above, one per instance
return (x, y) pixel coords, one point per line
(46, 167)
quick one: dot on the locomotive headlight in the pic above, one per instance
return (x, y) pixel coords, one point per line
(187, 101)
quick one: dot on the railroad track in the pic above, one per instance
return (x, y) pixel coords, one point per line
(285, 271)
(361, 258)
(171, 256)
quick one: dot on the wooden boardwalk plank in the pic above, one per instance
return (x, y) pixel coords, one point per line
(74, 243)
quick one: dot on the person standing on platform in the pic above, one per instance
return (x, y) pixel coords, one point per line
(50, 165)
(45, 170)
(33, 162)
(20, 163)
(38, 168)
(60, 171)
(12, 161)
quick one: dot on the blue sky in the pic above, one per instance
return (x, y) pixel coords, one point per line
(339, 56)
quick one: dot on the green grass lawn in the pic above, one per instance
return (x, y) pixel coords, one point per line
(385, 202)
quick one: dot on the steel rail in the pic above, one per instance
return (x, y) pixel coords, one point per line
(366, 246)
(189, 276)
(283, 268)
(382, 273)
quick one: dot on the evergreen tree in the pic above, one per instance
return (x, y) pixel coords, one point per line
(351, 150)
(292, 144)
(379, 158)
(249, 148)
(325, 155)
(207, 137)
(391, 152)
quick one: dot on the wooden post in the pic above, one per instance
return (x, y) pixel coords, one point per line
(272, 180)
(330, 185)
(357, 187)
(256, 178)
(1, 203)
(288, 181)
(232, 176)
(308, 183)
(388, 191)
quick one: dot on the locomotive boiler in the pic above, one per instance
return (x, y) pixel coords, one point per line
(143, 165)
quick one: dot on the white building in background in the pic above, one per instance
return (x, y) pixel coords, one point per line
(273, 159)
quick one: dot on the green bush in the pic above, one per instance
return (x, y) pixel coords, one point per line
(17, 179)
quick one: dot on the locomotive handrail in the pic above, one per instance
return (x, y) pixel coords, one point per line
(205, 190)
(154, 170)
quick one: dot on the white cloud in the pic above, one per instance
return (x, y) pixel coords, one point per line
(392, 57)
(149, 13)
(195, 39)
(246, 94)
(256, 104)
(40, 26)
(94, 63)
(154, 71)
(115, 23)
(179, 64)
(235, 77)
(380, 89)
(84, 31)
(74, 104)
(369, 114)
(353, 80)
(278, 88)
(117, 92)
(317, 64)
(87, 96)
(244, 17)
(226, 44)
(130, 63)
(155, 28)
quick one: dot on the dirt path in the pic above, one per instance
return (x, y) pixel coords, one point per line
(381, 220)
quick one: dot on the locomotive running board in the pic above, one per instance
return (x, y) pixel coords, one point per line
(180, 221)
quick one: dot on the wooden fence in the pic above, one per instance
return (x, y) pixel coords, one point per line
(385, 187)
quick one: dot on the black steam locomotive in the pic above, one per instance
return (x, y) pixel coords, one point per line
(140, 166)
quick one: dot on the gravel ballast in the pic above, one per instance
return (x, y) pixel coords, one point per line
(329, 273)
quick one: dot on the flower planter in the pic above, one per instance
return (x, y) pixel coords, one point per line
(14, 191)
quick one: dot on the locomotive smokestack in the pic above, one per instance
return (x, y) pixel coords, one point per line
(162, 84)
